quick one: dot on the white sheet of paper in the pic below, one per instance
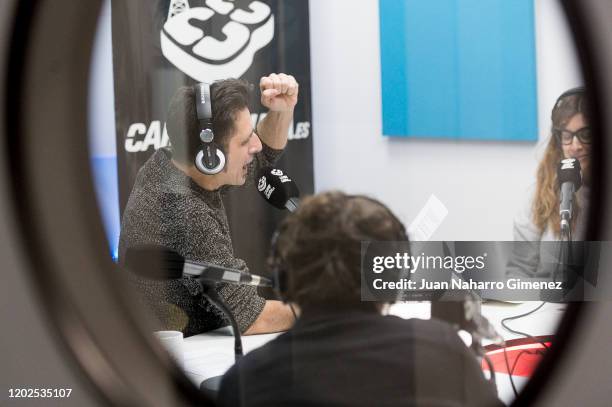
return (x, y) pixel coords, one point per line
(428, 220)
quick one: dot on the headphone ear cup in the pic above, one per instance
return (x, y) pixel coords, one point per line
(201, 165)
(277, 268)
(209, 159)
(279, 275)
(280, 283)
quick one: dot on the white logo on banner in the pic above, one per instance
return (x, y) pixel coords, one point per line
(206, 58)
(153, 136)
(297, 131)
(140, 137)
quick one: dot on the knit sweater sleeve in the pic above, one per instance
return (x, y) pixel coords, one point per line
(206, 238)
(268, 156)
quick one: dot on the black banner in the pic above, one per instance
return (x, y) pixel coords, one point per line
(161, 45)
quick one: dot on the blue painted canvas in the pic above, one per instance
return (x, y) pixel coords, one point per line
(459, 69)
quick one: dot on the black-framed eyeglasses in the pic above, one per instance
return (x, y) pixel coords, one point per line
(565, 137)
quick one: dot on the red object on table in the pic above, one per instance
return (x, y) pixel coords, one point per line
(519, 357)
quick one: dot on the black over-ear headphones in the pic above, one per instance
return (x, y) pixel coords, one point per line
(278, 269)
(580, 90)
(209, 159)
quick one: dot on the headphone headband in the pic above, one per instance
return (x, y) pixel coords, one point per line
(204, 105)
(210, 159)
(580, 90)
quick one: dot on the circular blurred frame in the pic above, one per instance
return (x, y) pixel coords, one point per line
(96, 319)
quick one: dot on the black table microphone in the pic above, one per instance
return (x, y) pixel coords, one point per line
(570, 181)
(277, 188)
(156, 262)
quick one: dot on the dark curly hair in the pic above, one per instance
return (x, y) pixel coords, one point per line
(319, 247)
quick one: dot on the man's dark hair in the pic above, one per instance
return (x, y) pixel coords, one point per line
(229, 97)
(319, 247)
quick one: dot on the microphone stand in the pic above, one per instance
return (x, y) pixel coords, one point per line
(210, 292)
(565, 253)
(211, 385)
(462, 309)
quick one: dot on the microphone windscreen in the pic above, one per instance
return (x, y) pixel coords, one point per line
(154, 262)
(276, 187)
(569, 171)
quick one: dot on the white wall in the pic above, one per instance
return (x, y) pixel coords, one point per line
(102, 130)
(481, 183)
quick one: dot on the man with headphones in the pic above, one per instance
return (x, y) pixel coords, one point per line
(176, 200)
(341, 350)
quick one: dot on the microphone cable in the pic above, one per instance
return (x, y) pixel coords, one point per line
(492, 377)
(526, 335)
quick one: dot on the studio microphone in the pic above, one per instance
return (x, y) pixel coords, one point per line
(156, 262)
(570, 180)
(278, 189)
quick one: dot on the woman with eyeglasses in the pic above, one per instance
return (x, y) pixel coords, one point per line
(539, 220)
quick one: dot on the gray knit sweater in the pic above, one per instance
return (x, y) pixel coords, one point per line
(168, 208)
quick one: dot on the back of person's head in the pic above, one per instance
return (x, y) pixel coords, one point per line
(229, 97)
(319, 248)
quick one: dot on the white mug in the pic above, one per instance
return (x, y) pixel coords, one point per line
(172, 341)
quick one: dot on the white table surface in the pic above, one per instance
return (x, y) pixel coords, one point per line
(212, 354)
